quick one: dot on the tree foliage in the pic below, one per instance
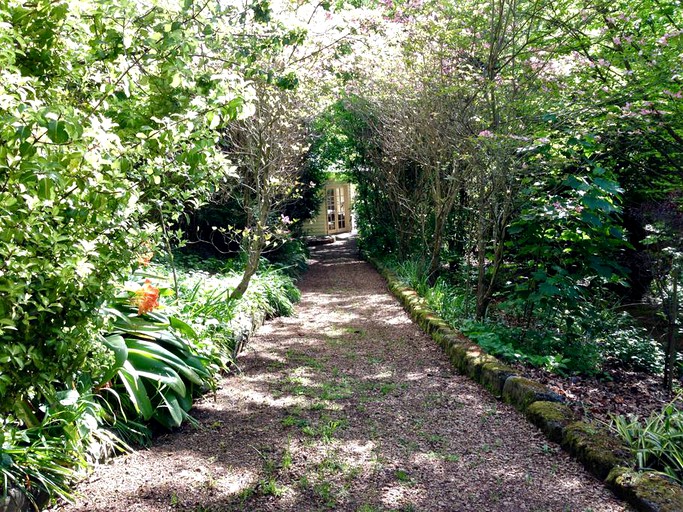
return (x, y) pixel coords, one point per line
(528, 145)
(107, 111)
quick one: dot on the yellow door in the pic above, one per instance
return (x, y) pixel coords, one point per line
(337, 205)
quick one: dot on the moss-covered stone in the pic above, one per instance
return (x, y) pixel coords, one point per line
(648, 492)
(456, 354)
(521, 392)
(451, 338)
(424, 316)
(442, 336)
(472, 361)
(551, 417)
(434, 323)
(594, 447)
(406, 292)
(493, 374)
(475, 360)
(418, 313)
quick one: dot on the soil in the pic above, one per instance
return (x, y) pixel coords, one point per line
(624, 392)
(348, 406)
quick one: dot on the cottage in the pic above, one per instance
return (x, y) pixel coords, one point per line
(334, 215)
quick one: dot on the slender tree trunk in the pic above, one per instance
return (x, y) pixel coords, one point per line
(169, 253)
(440, 221)
(482, 303)
(672, 345)
(253, 249)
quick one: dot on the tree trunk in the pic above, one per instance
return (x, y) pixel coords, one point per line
(253, 256)
(482, 302)
(671, 345)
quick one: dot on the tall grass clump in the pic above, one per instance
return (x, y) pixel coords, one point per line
(656, 443)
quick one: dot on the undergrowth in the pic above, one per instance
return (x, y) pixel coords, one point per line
(594, 340)
(656, 443)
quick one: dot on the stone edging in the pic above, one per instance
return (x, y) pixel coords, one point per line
(597, 449)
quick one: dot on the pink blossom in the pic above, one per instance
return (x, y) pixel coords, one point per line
(486, 133)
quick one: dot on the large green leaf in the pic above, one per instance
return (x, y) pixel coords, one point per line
(183, 327)
(198, 365)
(136, 390)
(117, 345)
(155, 351)
(157, 371)
(175, 415)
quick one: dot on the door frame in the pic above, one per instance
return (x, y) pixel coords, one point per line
(340, 193)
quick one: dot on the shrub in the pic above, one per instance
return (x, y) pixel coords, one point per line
(632, 347)
(596, 337)
(656, 442)
(158, 372)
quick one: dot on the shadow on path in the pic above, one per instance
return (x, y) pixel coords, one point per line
(347, 406)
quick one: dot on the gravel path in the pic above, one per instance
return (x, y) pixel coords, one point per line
(347, 406)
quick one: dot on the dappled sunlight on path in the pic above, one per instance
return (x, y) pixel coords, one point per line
(348, 406)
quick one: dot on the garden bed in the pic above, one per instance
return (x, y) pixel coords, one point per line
(596, 399)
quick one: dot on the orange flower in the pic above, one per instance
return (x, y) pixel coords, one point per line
(144, 258)
(146, 254)
(146, 298)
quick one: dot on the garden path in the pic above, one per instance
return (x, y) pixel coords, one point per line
(349, 406)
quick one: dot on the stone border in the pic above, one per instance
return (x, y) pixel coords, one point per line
(595, 447)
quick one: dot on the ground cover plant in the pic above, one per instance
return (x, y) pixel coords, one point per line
(656, 441)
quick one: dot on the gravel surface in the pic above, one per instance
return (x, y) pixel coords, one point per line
(348, 405)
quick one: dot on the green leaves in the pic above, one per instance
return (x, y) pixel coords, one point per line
(77, 198)
(117, 344)
(56, 130)
(655, 442)
(156, 367)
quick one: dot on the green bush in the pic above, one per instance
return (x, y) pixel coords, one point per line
(290, 257)
(630, 347)
(90, 158)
